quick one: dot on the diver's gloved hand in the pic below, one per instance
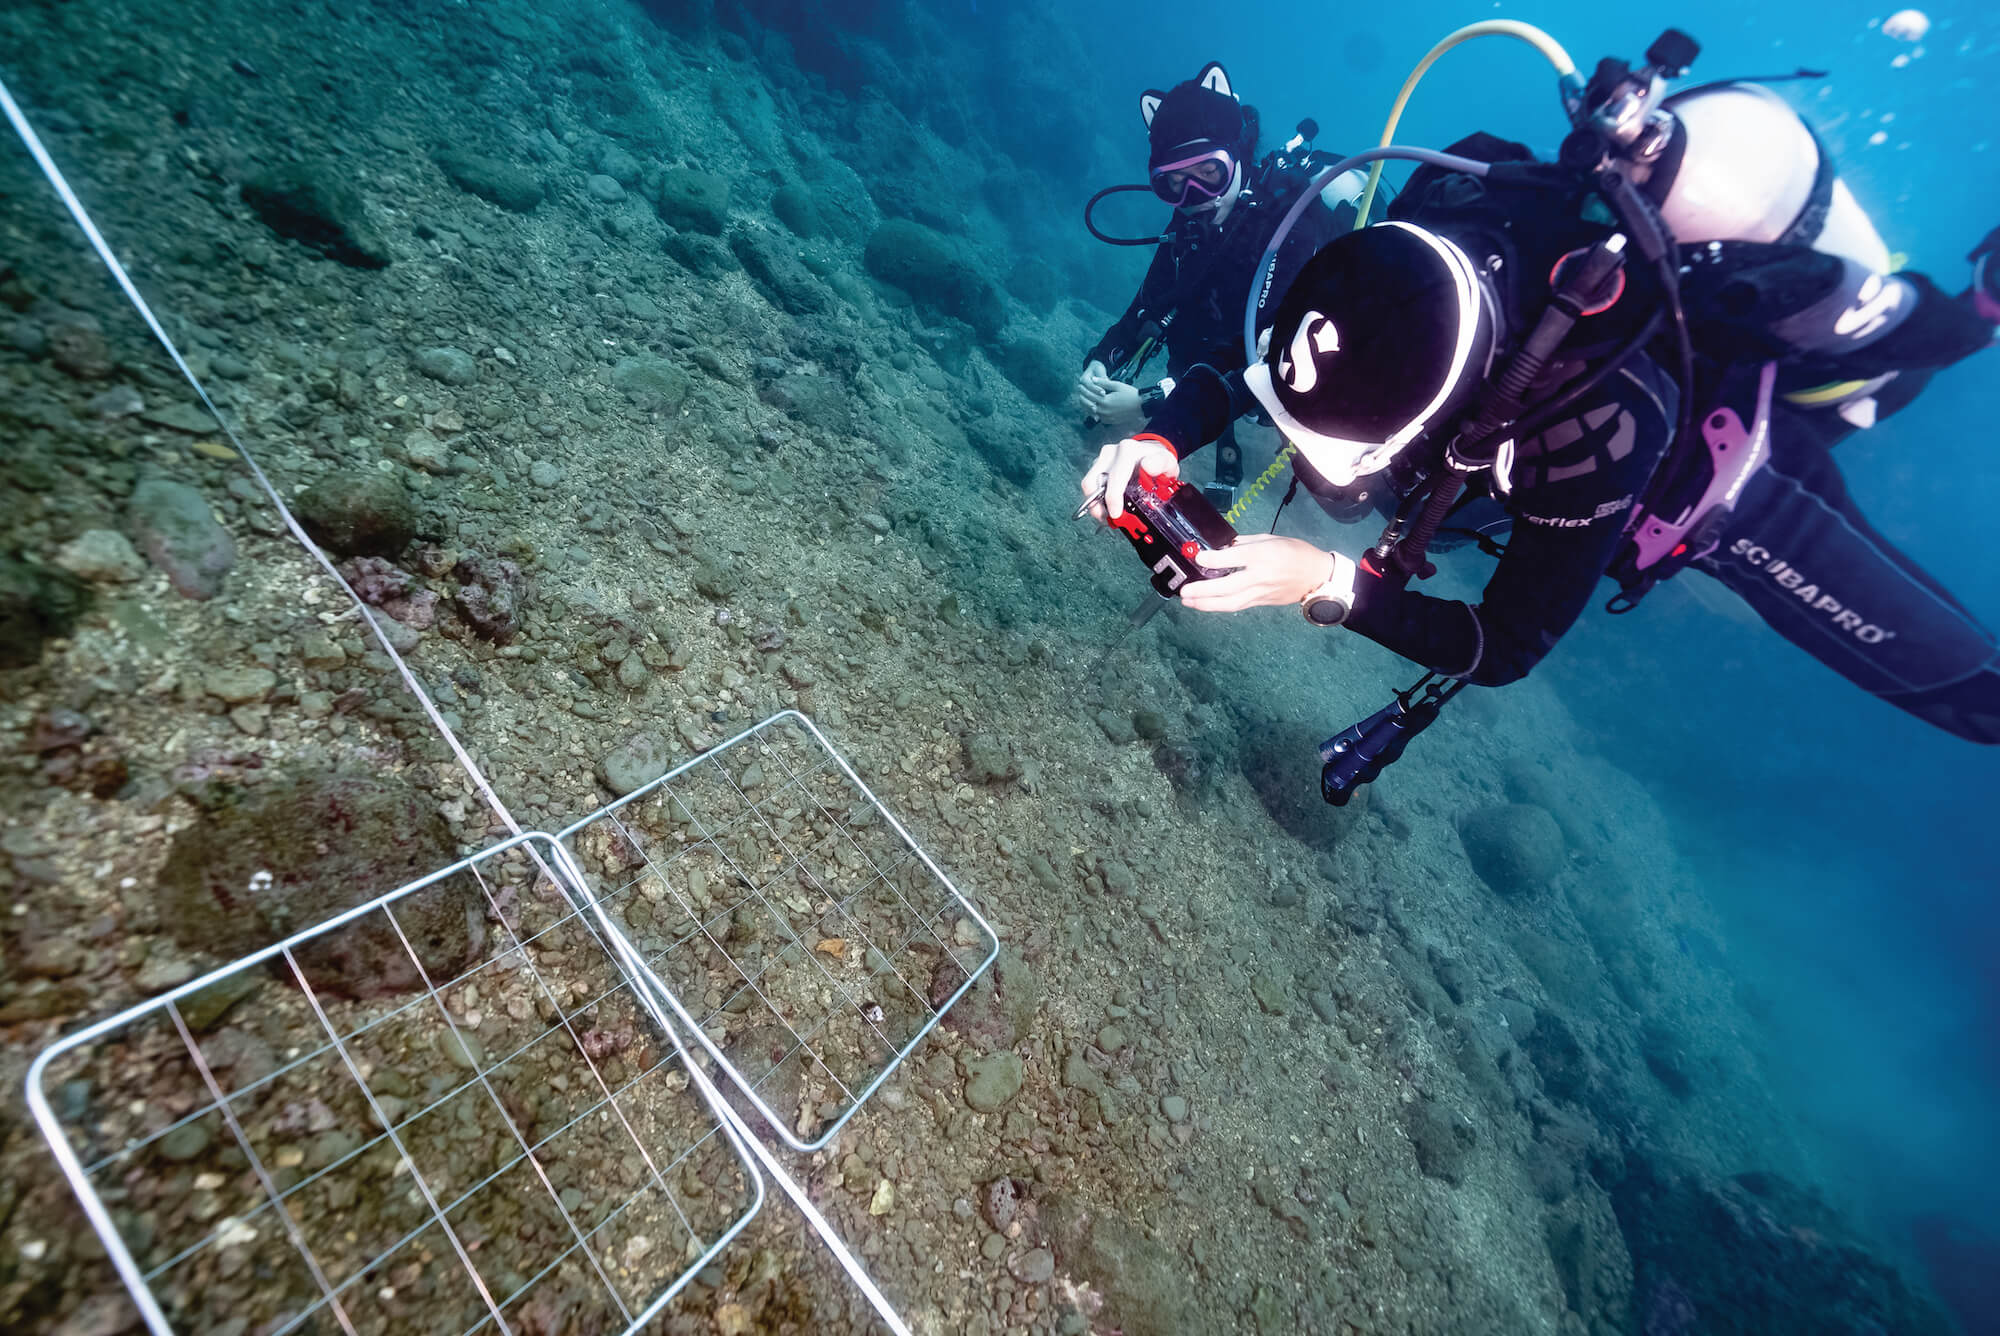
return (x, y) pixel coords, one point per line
(1104, 485)
(1111, 402)
(1265, 570)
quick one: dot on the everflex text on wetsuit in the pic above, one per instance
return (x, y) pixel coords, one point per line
(1574, 485)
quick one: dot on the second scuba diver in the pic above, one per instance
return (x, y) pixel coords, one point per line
(1226, 205)
(1391, 341)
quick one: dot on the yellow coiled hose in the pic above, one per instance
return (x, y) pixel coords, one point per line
(1264, 479)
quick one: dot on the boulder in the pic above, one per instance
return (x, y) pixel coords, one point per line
(453, 366)
(515, 189)
(1009, 450)
(988, 760)
(938, 273)
(793, 206)
(992, 1082)
(692, 201)
(635, 763)
(1753, 1253)
(316, 205)
(815, 401)
(103, 556)
(172, 524)
(650, 383)
(36, 604)
(1516, 848)
(1035, 283)
(1036, 369)
(1441, 1138)
(704, 257)
(778, 272)
(1147, 1290)
(264, 863)
(358, 512)
(490, 593)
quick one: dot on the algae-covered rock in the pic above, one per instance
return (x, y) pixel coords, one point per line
(938, 273)
(316, 205)
(650, 383)
(988, 759)
(515, 189)
(1036, 283)
(635, 763)
(691, 200)
(358, 512)
(778, 272)
(992, 1082)
(36, 604)
(793, 206)
(1147, 1291)
(172, 524)
(1441, 1139)
(453, 366)
(1037, 369)
(266, 862)
(1516, 849)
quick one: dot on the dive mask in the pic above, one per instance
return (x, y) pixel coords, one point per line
(1200, 179)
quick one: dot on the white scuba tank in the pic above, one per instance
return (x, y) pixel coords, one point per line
(1748, 171)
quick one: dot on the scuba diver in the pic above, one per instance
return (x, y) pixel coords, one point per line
(1852, 343)
(1226, 204)
(1485, 343)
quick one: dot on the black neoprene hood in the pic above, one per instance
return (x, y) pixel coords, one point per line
(1368, 337)
(1192, 118)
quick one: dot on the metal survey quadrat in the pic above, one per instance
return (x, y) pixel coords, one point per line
(521, 1145)
(787, 918)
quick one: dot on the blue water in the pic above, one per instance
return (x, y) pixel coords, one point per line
(1853, 850)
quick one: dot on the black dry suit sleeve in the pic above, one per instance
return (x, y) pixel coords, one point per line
(1203, 404)
(1574, 486)
(1122, 338)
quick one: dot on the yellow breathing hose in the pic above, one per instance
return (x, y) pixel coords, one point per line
(1527, 32)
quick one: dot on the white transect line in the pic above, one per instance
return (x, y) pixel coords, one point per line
(630, 961)
(54, 174)
(849, 1263)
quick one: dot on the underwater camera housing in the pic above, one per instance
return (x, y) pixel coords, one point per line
(1168, 522)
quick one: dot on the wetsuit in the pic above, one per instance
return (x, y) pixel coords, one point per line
(1200, 278)
(1853, 349)
(1574, 483)
(1796, 548)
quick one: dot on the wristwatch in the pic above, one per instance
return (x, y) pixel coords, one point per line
(1153, 396)
(1330, 603)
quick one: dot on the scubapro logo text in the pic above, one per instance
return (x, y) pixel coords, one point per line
(1808, 592)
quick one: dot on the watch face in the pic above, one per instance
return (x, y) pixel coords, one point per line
(1326, 612)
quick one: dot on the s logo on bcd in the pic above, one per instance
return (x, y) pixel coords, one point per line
(1316, 338)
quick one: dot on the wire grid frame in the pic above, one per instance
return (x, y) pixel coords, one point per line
(514, 1141)
(789, 920)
